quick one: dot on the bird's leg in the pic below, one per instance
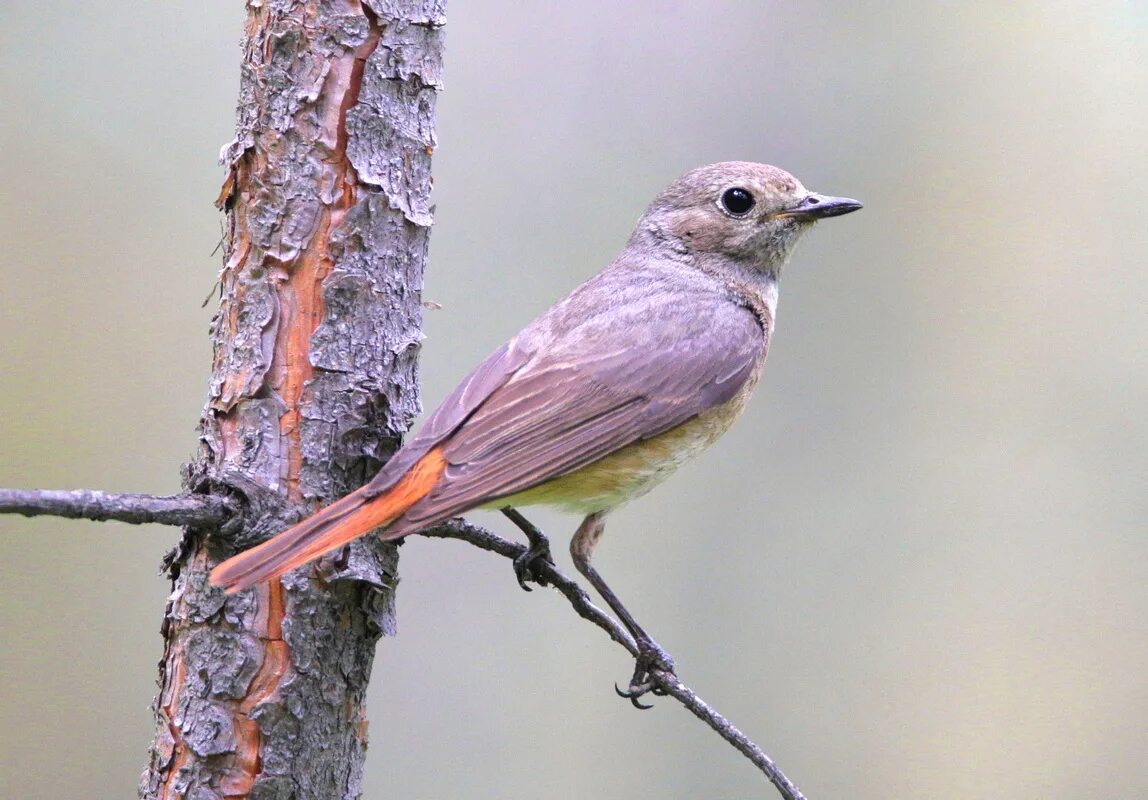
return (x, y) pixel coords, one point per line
(650, 654)
(539, 549)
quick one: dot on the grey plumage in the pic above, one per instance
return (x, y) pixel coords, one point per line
(633, 353)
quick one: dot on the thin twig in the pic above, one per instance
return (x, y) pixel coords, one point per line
(480, 537)
(211, 511)
(665, 681)
(202, 511)
(671, 685)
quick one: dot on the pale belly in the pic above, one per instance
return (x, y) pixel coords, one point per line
(631, 472)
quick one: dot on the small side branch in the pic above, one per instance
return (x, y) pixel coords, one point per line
(665, 682)
(201, 511)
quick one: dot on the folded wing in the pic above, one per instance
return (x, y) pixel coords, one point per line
(592, 392)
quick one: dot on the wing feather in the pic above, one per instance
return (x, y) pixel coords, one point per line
(583, 396)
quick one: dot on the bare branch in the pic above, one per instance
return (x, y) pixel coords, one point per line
(212, 511)
(201, 511)
(459, 528)
(671, 685)
(663, 682)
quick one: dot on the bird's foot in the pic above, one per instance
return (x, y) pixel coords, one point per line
(526, 566)
(651, 657)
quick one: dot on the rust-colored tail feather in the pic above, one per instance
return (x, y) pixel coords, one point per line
(344, 520)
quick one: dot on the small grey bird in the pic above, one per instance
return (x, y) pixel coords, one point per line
(603, 396)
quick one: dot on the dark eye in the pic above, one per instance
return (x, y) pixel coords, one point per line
(737, 201)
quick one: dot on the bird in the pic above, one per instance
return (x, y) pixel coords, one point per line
(600, 398)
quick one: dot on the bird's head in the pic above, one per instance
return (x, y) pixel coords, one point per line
(751, 213)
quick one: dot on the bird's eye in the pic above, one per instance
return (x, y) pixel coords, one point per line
(737, 201)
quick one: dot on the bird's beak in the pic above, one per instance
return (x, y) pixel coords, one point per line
(819, 206)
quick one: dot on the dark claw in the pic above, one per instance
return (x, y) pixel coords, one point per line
(650, 657)
(634, 692)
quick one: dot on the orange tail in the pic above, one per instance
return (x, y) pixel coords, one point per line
(335, 525)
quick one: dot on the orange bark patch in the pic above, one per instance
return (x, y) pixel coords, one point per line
(179, 751)
(297, 281)
(275, 667)
(301, 298)
(176, 662)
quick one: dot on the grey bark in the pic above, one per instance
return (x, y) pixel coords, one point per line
(314, 381)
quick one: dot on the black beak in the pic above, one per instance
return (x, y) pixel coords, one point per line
(818, 206)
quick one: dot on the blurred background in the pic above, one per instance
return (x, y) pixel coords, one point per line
(915, 569)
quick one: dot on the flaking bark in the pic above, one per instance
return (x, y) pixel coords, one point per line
(314, 381)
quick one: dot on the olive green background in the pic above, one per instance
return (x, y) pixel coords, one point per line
(916, 569)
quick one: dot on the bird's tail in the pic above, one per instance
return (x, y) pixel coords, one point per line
(346, 519)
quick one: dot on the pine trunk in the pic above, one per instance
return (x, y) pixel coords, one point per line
(314, 381)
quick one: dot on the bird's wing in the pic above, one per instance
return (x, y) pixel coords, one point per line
(475, 389)
(600, 376)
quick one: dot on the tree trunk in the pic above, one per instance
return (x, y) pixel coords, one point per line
(314, 381)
